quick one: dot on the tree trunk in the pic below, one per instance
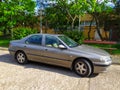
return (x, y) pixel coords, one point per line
(79, 23)
(90, 28)
(72, 25)
(73, 22)
(4, 32)
(97, 27)
(46, 27)
(106, 36)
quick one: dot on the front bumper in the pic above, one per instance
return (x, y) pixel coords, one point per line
(12, 52)
(98, 68)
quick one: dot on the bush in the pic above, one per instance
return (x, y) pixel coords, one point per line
(75, 35)
(117, 46)
(21, 32)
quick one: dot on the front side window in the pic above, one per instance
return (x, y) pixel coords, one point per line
(36, 40)
(51, 41)
(71, 43)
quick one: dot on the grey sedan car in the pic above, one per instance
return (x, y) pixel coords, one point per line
(62, 51)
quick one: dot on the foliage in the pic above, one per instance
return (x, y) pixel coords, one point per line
(55, 18)
(98, 10)
(65, 13)
(14, 13)
(75, 35)
(111, 21)
(4, 41)
(117, 7)
(21, 32)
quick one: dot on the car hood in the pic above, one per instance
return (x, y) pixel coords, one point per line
(90, 50)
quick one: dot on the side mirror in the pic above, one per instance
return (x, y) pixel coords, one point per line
(62, 47)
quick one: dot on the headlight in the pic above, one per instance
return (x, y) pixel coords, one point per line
(105, 58)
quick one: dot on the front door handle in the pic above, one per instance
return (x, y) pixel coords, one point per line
(46, 49)
(25, 46)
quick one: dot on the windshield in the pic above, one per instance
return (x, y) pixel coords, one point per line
(68, 41)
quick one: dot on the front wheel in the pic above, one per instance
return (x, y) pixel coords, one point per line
(21, 57)
(82, 67)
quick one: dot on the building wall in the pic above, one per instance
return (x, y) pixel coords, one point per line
(92, 33)
(86, 20)
(86, 17)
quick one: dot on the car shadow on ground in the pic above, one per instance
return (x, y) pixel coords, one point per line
(7, 58)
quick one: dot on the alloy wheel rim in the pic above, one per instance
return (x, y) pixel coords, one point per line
(21, 57)
(81, 68)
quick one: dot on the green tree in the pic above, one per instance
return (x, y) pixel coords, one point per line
(71, 10)
(15, 12)
(117, 7)
(55, 17)
(97, 9)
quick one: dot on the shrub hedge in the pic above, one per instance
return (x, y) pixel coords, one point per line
(75, 35)
(21, 32)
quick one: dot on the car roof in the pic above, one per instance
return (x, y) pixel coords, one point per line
(56, 35)
(48, 34)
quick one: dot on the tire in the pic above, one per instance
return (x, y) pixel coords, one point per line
(21, 57)
(82, 67)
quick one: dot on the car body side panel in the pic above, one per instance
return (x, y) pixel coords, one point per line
(58, 56)
(34, 52)
(39, 54)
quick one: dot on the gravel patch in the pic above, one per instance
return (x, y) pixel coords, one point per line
(115, 59)
(4, 48)
(38, 76)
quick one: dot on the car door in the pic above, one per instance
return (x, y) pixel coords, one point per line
(53, 54)
(33, 47)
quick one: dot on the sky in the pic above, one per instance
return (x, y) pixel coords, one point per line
(46, 2)
(110, 4)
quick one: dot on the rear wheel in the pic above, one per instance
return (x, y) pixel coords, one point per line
(21, 57)
(82, 67)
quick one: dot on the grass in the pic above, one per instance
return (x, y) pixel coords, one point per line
(116, 51)
(4, 41)
(117, 46)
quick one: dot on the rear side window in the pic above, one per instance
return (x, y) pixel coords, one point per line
(36, 40)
